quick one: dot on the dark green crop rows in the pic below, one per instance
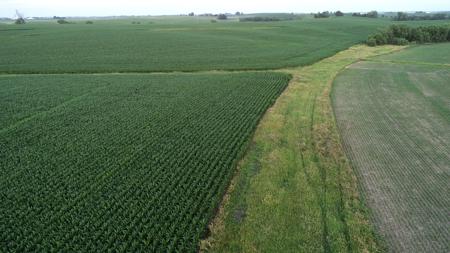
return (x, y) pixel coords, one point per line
(123, 163)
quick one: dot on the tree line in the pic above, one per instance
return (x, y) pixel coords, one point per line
(403, 35)
(327, 14)
(403, 16)
(371, 14)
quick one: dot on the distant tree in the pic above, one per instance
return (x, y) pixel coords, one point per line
(401, 16)
(62, 21)
(372, 14)
(89, 22)
(371, 42)
(222, 17)
(402, 35)
(191, 14)
(325, 14)
(238, 13)
(339, 14)
(20, 20)
(439, 16)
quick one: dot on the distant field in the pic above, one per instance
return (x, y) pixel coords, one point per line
(395, 124)
(175, 44)
(135, 163)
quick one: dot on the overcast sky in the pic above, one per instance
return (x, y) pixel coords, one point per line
(162, 7)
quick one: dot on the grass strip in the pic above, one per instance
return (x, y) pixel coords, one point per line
(294, 191)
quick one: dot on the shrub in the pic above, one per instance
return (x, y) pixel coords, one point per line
(438, 33)
(400, 41)
(382, 38)
(20, 21)
(402, 16)
(62, 21)
(89, 22)
(422, 36)
(372, 14)
(371, 42)
(400, 31)
(222, 17)
(324, 14)
(402, 35)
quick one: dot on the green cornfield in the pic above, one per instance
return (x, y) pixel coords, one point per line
(128, 163)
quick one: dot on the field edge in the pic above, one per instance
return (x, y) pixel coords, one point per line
(225, 232)
(374, 76)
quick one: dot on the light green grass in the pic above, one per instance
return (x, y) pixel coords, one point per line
(294, 190)
(395, 124)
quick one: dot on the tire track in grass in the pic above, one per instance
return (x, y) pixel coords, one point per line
(326, 213)
(319, 192)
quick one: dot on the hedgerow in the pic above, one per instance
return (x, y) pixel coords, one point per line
(403, 16)
(403, 35)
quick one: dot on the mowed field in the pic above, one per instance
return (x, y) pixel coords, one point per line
(175, 44)
(134, 163)
(394, 117)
